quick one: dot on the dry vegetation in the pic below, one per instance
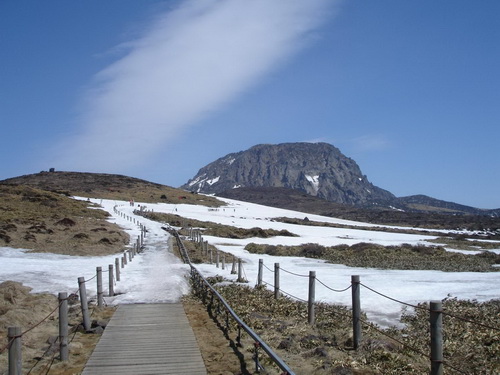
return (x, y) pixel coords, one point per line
(40, 348)
(402, 257)
(110, 186)
(326, 347)
(43, 221)
(214, 229)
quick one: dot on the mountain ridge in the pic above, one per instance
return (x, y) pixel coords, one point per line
(316, 169)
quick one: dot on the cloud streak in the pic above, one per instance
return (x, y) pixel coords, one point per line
(190, 62)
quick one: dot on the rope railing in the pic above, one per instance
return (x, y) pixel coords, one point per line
(394, 299)
(198, 277)
(333, 290)
(284, 292)
(196, 236)
(427, 309)
(15, 346)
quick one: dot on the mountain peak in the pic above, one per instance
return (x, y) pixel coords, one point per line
(318, 169)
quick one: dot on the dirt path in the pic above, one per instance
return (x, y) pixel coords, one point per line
(221, 356)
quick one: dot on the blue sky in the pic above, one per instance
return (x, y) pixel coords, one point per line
(157, 89)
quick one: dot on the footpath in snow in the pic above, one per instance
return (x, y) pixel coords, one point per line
(157, 275)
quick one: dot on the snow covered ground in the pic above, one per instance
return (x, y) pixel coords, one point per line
(157, 276)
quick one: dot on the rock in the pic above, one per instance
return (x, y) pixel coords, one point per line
(66, 222)
(320, 352)
(318, 169)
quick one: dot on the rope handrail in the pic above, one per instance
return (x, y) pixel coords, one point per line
(470, 321)
(267, 267)
(427, 309)
(394, 299)
(393, 338)
(293, 273)
(333, 290)
(288, 294)
(275, 358)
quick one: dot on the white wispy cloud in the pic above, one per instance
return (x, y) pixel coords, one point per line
(190, 62)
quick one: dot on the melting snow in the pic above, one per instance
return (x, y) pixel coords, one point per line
(157, 276)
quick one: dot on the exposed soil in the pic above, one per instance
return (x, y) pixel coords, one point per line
(220, 352)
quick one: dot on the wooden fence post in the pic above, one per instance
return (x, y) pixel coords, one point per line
(217, 259)
(15, 357)
(233, 268)
(63, 326)
(276, 280)
(356, 311)
(259, 274)
(117, 268)
(124, 258)
(240, 272)
(84, 303)
(436, 322)
(223, 261)
(130, 255)
(111, 281)
(99, 287)
(312, 296)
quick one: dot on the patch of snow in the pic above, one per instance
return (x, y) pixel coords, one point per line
(236, 186)
(230, 161)
(397, 209)
(198, 180)
(157, 276)
(314, 180)
(213, 181)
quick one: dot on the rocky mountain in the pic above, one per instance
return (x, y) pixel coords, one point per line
(317, 169)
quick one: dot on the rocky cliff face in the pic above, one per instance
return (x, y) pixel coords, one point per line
(318, 169)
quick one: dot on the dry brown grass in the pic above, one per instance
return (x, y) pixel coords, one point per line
(43, 221)
(19, 307)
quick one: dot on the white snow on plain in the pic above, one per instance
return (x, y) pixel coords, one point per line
(158, 276)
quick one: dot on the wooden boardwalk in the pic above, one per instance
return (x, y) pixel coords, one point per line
(147, 339)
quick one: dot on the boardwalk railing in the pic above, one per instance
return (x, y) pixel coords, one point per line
(434, 310)
(202, 285)
(15, 333)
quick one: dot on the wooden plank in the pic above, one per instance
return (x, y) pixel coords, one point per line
(147, 339)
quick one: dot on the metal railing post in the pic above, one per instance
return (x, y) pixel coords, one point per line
(117, 268)
(356, 311)
(100, 301)
(84, 303)
(63, 326)
(276, 280)
(111, 281)
(15, 358)
(436, 323)
(259, 275)
(311, 299)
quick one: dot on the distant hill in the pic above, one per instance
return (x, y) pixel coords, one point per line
(109, 186)
(299, 201)
(317, 169)
(112, 186)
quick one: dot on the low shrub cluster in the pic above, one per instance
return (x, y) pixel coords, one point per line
(403, 257)
(326, 347)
